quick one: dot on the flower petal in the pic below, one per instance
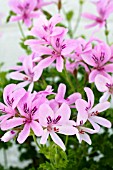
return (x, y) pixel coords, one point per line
(90, 96)
(44, 136)
(37, 128)
(57, 140)
(24, 133)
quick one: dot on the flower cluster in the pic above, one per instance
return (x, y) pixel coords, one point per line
(45, 112)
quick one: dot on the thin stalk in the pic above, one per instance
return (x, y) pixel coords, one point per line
(34, 138)
(107, 33)
(66, 140)
(68, 79)
(21, 30)
(79, 17)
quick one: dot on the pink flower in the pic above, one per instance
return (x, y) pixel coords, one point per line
(11, 98)
(8, 136)
(82, 134)
(29, 76)
(98, 58)
(104, 85)
(59, 98)
(81, 47)
(44, 30)
(24, 10)
(60, 49)
(28, 110)
(55, 122)
(104, 9)
(88, 112)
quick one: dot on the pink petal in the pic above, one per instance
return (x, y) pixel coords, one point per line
(100, 107)
(100, 82)
(17, 75)
(95, 125)
(108, 68)
(37, 129)
(102, 121)
(65, 113)
(44, 112)
(82, 115)
(31, 87)
(67, 130)
(44, 63)
(55, 20)
(24, 133)
(59, 63)
(86, 138)
(11, 123)
(90, 96)
(73, 98)
(92, 75)
(44, 136)
(104, 97)
(61, 92)
(89, 16)
(57, 140)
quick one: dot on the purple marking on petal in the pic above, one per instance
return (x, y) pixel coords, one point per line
(56, 120)
(33, 110)
(49, 120)
(26, 110)
(81, 122)
(12, 132)
(63, 46)
(81, 131)
(58, 42)
(27, 6)
(20, 7)
(10, 102)
(95, 59)
(102, 56)
(108, 85)
(56, 129)
(45, 27)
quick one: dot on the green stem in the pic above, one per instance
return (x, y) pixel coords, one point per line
(79, 17)
(68, 79)
(107, 33)
(21, 30)
(66, 141)
(34, 138)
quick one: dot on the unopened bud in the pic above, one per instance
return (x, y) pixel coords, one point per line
(8, 136)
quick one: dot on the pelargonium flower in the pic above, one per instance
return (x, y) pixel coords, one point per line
(60, 98)
(60, 49)
(98, 58)
(29, 76)
(44, 29)
(11, 98)
(86, 111)
(56, 122)
(104, 9)
(24, 10)
(27, 116)
(81, 47)
(104, 85)
(82, 133)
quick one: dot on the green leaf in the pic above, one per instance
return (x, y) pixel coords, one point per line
(69, 15)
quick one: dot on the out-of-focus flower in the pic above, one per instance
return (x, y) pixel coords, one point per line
(24, 10)
(104, 9)
(29, 76)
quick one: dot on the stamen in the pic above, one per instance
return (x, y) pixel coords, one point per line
(95, 58)
(63, 46)
(26, 110)
(102, 56)
(10, 102)
(33, 110)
